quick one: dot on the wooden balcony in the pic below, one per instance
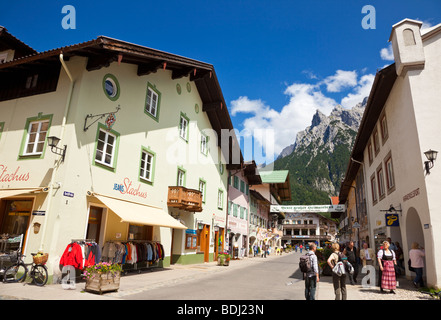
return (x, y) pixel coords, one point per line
(184, 199)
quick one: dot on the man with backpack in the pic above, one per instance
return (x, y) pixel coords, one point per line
(309, 266)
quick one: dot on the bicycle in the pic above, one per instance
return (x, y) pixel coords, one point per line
(18, 272)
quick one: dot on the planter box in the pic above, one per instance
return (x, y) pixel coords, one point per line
(222, 261)
(103, 282)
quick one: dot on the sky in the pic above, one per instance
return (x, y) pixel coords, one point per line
(277, 61)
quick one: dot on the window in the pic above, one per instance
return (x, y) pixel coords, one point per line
(202, 189)
(390, 180)
(204, 148)
(371, 157)
(376, 142)
(105, 148)
(220, 199)
(235, 209)
(384, 131)
(111, 87)
(380, 177)
(31, 81)
(152, 101)
(236, 182)
(242, 186)
(242, 213)
(183, 127)
(374, 189)
(36, 137)
(146, 166)
(181, 178)
(230, 207)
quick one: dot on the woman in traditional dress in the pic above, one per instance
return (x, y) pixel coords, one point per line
(386, 261)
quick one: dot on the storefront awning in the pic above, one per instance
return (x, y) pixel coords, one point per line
(5, 193)
(138, 213)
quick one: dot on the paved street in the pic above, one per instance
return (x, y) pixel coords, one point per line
(274, 278)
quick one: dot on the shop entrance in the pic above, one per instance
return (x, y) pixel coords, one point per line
(15, 216)
(204, 241)
(94, 223)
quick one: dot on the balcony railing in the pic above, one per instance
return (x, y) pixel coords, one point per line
(184, 199)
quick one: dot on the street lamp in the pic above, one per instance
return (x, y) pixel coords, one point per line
(52, 142)
(431, 157)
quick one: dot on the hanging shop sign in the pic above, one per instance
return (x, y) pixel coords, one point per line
(127, 188)
(392, 220)
(305, 209)
(11, 175)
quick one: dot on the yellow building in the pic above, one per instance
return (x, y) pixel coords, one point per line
(139, 156)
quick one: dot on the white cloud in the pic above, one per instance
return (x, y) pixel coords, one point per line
(361, 91)
(387, 53)
(304, 100)
(341, 80)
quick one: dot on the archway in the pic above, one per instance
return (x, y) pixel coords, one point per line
(414, 230)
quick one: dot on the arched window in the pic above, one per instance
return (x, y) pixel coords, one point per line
(409, 38)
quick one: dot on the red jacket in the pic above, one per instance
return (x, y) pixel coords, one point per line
(72, 256)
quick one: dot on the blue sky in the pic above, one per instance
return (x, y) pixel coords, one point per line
(277, 61)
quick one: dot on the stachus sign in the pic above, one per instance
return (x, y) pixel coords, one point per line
(309, 209)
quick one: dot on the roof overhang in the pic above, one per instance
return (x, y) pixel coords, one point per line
(381, 88)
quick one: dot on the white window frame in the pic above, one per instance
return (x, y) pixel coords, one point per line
(204, 146)
(202, 189)
(37, 139)
(149, 106)
(104, 150)
(143, 168)
(183, 127)
(390, 173)
(220, 199)
(181, 178)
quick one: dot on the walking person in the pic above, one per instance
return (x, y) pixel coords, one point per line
(351, 253)
(416, 256)
(312, 277)
(339, 281)
(386, 262)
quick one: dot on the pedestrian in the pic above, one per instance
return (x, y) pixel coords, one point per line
(296, 247)
(400, 258)
(351, 253)
(339, 281)
(301, 248)
(312, 277)
(386, 261)
(367, 255)
(392, 245)
(255, 249)
(416, 256)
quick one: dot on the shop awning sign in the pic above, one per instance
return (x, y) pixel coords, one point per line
(309, 209)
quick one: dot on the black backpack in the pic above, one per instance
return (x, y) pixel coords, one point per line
(305, 263)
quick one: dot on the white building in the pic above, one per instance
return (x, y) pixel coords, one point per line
(401, 123)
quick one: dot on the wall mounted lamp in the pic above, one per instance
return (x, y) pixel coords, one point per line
(53, 142)
(431, 157)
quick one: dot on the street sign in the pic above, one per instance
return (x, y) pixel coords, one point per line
(308, 209)
(356, 225)
(392, 220)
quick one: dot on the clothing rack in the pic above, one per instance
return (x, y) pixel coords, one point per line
(139, 265)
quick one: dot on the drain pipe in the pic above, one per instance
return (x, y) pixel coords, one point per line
(57, 164)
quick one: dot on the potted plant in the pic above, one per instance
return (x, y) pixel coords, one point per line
(223, 259)
(102, 277)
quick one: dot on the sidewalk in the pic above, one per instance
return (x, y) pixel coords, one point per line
(146, 280)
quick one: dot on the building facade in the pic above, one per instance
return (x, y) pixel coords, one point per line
(139, 156)
(398, 127)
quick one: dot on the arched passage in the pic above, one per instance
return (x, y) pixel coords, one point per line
(414, 231)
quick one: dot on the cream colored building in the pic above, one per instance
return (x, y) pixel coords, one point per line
(141, 130)
(400, 124)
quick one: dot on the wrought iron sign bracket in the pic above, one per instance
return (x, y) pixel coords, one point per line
(98, 116)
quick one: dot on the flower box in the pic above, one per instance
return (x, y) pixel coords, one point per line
(102, 277)
(103, 282)
(223, 259)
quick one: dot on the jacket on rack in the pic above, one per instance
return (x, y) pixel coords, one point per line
(72, 256)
